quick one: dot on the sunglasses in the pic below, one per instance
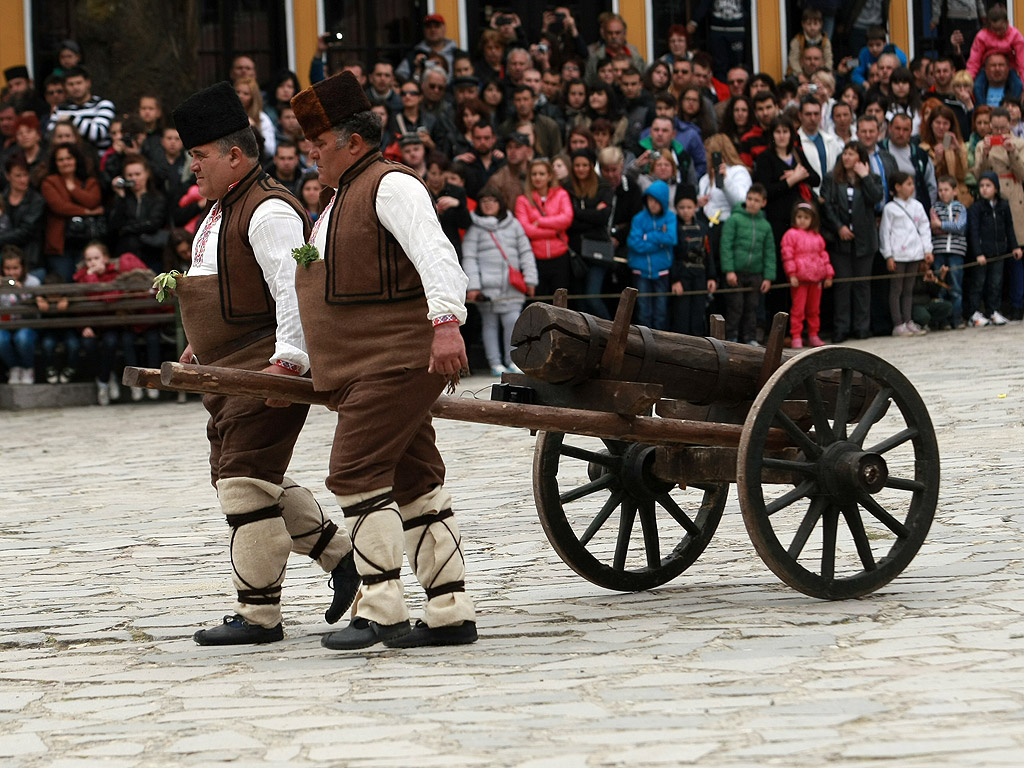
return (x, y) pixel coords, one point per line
(410, 93)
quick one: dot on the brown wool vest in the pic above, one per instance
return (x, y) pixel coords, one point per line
(363, 309)
(229, 318)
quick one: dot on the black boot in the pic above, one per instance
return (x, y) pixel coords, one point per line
(235, 630)
(423, 636)
(345, 581)
(361, 633)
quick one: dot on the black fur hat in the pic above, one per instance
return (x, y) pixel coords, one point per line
(210, 114)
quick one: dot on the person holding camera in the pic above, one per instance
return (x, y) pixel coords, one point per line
(138, 214)
(433, 42)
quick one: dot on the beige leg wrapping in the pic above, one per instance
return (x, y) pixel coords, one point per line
(434, 547)
(375, 527)
(259, 546)
(313, 534)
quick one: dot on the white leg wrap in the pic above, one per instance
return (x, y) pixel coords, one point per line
(259, 546)
(434, 548)
(313, 534)
(375, 527)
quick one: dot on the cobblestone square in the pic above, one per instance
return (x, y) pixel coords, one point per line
(113, 551)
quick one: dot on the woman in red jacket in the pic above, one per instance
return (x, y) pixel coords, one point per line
(545, 211)
(69, 192)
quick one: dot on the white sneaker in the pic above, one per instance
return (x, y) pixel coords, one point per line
(14, 376)
(28, 375)
(998, 319)
(902, 330)
(102, 393)
(115, 387)
(916, 329)
(978, 320)
(137, 394)
(153, 394)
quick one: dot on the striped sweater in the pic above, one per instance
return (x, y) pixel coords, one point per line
(92, 119)
(953, 238)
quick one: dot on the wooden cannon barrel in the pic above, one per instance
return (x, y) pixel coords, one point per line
(561, 346)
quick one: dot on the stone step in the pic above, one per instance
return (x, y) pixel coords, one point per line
(22, 397)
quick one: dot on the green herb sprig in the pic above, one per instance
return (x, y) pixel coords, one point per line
(305, 254)
(165, 283)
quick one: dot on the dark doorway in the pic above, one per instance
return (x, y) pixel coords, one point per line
(228, 28)
(367, 30)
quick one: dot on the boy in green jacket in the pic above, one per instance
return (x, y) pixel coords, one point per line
(747, 254)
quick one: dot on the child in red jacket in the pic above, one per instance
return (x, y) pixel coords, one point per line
(807, 265)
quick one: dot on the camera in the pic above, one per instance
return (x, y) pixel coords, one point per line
(503, 20)
(542, 47)
(123, 184)
(812, 88)
(558, 25)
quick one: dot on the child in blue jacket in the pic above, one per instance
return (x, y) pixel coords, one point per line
(652, 237)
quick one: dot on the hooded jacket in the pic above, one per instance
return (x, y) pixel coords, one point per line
(652, 238)
(804, 256)
(990, 225)
(748, 244)
(483, 263)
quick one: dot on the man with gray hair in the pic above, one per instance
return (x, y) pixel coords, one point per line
(381, 301)
(238, 310)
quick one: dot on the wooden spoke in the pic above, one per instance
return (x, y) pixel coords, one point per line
(678, 515)
(801, 491)
(842, 409)
(904, 484)
(877, 511)
(804, 467)
(803, 533)
(894, 441)
(649, 526)
(582, 454)
(626, 520)
(587, 488)
(602, 517)
(809, 447)
(829, 526)
(872, 415)
(860, 536)
(822, 430)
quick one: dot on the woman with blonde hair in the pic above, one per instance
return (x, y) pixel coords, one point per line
(545, 211)
(726, 183)
(248, 91)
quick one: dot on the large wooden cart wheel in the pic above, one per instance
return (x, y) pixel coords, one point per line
(863, 494)
(591, 493)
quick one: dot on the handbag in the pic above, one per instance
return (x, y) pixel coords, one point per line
(599, 251)
(515, 277)
(80, 230)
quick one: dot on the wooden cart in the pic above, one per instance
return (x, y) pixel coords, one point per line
(832, 450)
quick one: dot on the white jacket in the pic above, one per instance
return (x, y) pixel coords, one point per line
(906, 231)
(734, 190)
(833, 149)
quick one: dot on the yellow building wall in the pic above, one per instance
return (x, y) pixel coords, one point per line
(450, 10)
(770, 55)
(12, 34)
(634, 13)
(899, 25)
(304, 19)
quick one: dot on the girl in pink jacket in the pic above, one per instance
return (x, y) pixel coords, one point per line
(545, 211)
(807, 265)
(997, 37)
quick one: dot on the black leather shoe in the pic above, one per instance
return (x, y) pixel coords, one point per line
(345, 581)
(863, 335)
(235, 630)
(361, 633)
(839, 338)
(423, 636)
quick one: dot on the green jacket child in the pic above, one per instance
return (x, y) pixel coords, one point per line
(748, 244)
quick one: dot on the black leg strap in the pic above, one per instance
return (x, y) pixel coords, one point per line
(325, 538)
(377, 578)
(267, 513)
(445, 589)
(416, 522)
(266, 596)
(367, 506)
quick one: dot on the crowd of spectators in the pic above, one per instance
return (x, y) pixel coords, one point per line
(580, 165)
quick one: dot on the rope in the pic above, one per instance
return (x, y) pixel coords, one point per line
(775, 286)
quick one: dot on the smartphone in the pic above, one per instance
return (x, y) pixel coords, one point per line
(716, 160)
(997, 140)
(947, 140)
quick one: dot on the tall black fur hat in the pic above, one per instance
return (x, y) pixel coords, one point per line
(210, 114)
